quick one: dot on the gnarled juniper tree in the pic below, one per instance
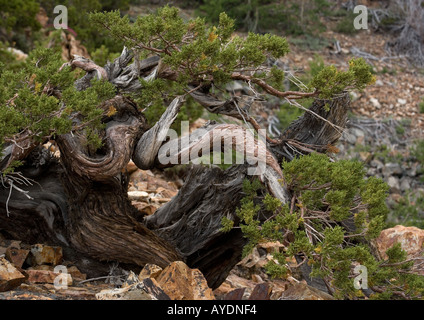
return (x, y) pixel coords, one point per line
(123, 110)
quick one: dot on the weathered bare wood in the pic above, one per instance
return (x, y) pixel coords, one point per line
(121, 133)
(148, 146)
(310, 133)
(192, 219)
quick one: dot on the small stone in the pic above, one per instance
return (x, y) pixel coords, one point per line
(360, 140)
(131, 279)
(131, 167)
(412, 171)
(354, 96)
(401, 101)
(405, 185)
(377, 164)
(350, 138)
(358, 132)
(371, 172)
(138, 195)
(375, 103)
(396, 197)
(257, 278)
(234, 86)
(365, 156)
(345, 51)
(391, 168)
(393, 183)
(379, 83)
(10, 277)
(149, 271)
(271, 247)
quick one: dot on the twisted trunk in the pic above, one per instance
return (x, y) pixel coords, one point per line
(81, 202)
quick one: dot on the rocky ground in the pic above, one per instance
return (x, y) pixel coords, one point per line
(33, 271)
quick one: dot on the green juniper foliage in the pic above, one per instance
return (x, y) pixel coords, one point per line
(330, 81)
(333, 215)
(211, 56)
(197, 53)
(28, 103)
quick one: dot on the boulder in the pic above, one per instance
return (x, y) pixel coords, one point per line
(76, 274)
(180, 282)
(411, 240)
(47, 276)
(16, 256)
(10, 277)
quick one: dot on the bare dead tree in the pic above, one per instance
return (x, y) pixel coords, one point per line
(409, 30)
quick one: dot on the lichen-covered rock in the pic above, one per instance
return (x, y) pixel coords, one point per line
(48, 276)
(43, 254)
(182, 283)
(411, 240)
(149, 271)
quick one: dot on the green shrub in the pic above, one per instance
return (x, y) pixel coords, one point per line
(409, 211)
(325, 196)
(25, 108)
(345, 25)
(417, 150)
(421, 106)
